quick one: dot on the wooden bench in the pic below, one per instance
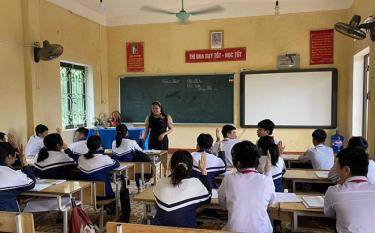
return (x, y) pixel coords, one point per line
(16, 222)
(115, 227)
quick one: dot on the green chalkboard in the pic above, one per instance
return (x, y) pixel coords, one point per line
(187, 98)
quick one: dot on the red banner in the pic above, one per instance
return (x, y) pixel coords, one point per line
(321, 47)
(210, 55)
(135, 57)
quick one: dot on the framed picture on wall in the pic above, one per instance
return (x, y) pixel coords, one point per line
(217, 39)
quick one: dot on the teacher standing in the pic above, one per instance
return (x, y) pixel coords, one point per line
(161, 125)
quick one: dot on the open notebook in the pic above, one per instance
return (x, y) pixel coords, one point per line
(313, 201)
(322, 174)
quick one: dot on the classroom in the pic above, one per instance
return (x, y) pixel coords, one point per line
(102, 40)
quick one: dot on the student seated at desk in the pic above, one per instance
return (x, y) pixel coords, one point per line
(123, 148)
(13, 182)
(95, 166)
(230, 139)
(265, 128)
(179, 195)
(52, 162)
(35, 143)
(359, 142)
(246, 194)
(267, 146)
(79, 146)
(352, 201)
(321, 156)
(215, 165)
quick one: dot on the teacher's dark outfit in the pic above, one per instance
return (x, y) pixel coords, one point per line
(158, 126)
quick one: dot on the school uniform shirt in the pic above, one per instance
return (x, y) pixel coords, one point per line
(321, 157)
(79, 148)
(34, 145)
(125, 151)
(227, 148)
(176, 205)
(353, 204)
(14, 182)
(98, 168)
(332, 175)
(57, 166)
(246, 195)
(215, 167)
(276, 171)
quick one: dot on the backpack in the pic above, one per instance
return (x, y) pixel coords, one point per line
(80, 222)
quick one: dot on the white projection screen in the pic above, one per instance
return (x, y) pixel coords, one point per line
(291, 99)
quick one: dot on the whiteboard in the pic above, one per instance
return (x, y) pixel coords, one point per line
(291, 99)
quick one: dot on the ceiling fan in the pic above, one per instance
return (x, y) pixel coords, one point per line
(183, 15)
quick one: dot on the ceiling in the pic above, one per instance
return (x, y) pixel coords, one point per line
(126, 12)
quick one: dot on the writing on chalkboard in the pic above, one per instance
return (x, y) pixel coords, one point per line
(187, 98)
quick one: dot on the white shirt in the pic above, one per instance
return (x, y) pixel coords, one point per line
(332, 175)
(321, 157)
(34, 145)
(214, 163)
(353, 204)
(79, 147)
(227, 148)
(276, 170)
(126, 146)
(246, 197)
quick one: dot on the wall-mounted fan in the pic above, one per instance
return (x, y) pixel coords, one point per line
(47, 52)
(183, 15)
(357, 30)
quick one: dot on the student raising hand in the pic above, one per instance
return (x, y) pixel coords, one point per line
(281, 147)
(203, 164)
(268, 165)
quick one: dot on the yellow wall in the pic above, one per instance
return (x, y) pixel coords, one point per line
(12, 88)
(31, 91)
(265, 37)
(363, 8)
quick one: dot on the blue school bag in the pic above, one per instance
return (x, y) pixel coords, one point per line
(337, 142)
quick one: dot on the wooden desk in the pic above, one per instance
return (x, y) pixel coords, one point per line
(163, 155)
(295, 210)
(67, 188)
(303, 176)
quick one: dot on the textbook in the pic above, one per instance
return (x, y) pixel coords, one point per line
(152, 151)
(287, 197)
(313, 201)
(322, 174)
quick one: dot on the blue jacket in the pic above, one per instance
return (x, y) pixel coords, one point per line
(13, 183)
(58, 165)
(98, 168)
(176, 205)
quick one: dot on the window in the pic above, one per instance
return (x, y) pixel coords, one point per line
(74, 110)
(366, 93)
(360, 93)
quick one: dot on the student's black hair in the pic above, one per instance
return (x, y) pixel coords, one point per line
(355, 158)
(3, 155)
(40, 129)
(267, 143)
(50, 143)
(227, 129)
(245, 155)
(93, 144)
(83, 131)
(8, 147)
(121, 132)
(359, 142)
(162, 113)
(205, 141)
(181, 165)
(319, 135)
(2, 136)
(266, 124)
